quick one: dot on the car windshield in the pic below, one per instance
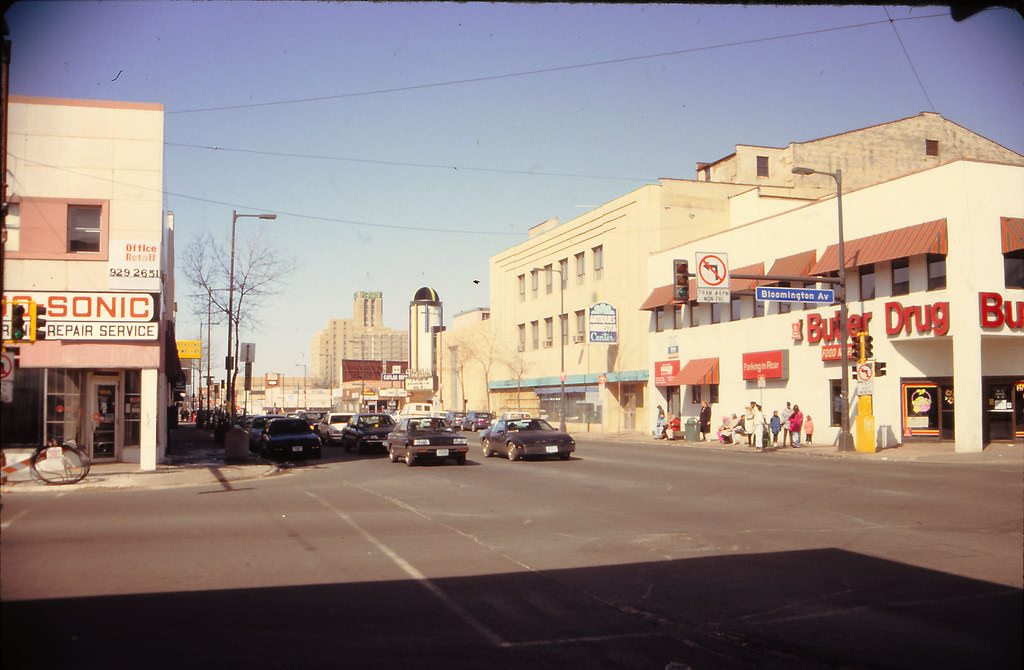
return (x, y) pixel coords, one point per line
(529, 424)
(340, 418)
(258, 422)
(483, 415)
(285, 426)
(430, 424)
(375, 421)
(314, 416)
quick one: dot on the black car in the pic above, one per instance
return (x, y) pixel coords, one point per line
(288, 437)
(422, 437)
(255, 426)
(519, 438)
(454, 419)
(477, 421)
(366, 431)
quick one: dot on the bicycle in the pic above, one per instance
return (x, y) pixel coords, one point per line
(59, 463)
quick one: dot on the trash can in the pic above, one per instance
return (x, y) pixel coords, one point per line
(692, 429)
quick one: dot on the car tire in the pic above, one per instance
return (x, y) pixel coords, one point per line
(392, 454)
(345, 443)
(410, 458)
(461, 459)
(565, 455)
(513, 453)
(487, 448)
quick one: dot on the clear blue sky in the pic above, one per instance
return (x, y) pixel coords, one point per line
(402, 145)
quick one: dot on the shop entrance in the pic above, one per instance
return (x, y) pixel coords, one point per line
(1003, 414)
(102, 428)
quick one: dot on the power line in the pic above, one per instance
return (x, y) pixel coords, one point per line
(549, 70)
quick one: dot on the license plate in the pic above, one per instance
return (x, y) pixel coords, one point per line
(552, 450)
(297, 448)
(442, 452)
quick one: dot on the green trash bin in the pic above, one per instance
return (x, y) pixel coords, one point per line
(692, 429)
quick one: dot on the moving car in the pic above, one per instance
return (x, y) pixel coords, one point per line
(519, 438)
(288, 437)
(475, 421)
(331, 427)
(454, 419)
(255, 426)
(366, 431)
(312, 417)
(421, 437)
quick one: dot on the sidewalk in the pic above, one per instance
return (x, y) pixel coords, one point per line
(193, 459)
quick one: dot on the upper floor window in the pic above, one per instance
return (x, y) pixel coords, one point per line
(598, 253)
(716, 312)
(581, 324)
(84, 227)
(735, 308)
(533, 282)
(581, 268)
(901, 276)
(867, 282)
(522, 337)
(762, 166)
(931, 147)
(677, 317)
(758, 307)
(784, 307)
(535, 333)
(564, 327)
(936, 272)
(1013, 269)
(563, 272)
(659, 324)
(522, 288)
(549, 275)
(549, 331)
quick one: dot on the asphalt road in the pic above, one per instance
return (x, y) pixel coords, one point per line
(627, 556)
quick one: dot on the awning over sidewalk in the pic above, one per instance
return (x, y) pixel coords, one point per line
(662, 296)
(1011, 231)
(745, 284)
(924, 238)
(699, 371)
(797, 265)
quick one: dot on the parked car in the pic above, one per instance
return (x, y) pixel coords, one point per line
(454, 419)
(477, 421)
(313, 417)
(331, 427)
(520, 438)
(421, 437)
(255, 426)
(367, 431)
(289, 437)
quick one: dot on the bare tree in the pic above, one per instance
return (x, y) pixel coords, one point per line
(258, 273)
(515, 360)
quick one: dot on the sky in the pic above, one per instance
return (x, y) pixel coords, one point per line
(401, 145)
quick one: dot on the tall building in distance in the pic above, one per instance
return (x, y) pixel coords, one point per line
(363, 337)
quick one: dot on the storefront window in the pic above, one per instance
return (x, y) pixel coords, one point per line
(867, 282)
(901, 276)
(63, 405)
(581, 406)
(921, 409)
(936, 272)
(132, 407)
(836, 415)
(23, 417)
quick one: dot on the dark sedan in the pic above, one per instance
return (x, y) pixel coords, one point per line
(421, 437)
(367, 431)
(477, 421)
(287, 438)
(520, 438)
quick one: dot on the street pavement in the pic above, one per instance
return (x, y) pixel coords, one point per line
(195, 459)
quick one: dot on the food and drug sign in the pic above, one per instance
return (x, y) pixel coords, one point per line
(96, 316)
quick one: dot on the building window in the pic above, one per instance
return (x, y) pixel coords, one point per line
(549, 275)
(762, 166)
(813, 285)
(581, 325)
(836, 403)
(549, 331)
(533, 282)
(658, 326)
(677, 317)
(598, 252)
(563, 272)
(936, 272)
(931, 147)
(132, 407)
(901, 276)
(735, 308)
(522, 337)
(63, 412)
(581, 267)
(716, 312)
(713, 394)
(758, 308)
(694, 317)
(1013, 269)
(84, 226)
(867, 282)
(564, 322)
(784, 307)
(522, 288)
(535, 333)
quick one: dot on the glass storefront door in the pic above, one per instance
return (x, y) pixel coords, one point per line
(102, 426)
(999, 410)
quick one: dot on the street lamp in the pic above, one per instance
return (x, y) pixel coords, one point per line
(229, 360)
(561, 341)
(845, 437)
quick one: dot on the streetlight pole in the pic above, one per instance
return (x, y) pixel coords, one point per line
(845, 442)
(562, 329)
(229, 359)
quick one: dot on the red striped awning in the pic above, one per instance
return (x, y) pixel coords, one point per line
(797, 265)
(1011, 231)
(742, 284)
(699, 371)
(662, 296)
(924, 238)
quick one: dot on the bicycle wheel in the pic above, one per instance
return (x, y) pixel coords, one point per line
(60, 465)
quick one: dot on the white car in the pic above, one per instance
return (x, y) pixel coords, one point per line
(331, 427)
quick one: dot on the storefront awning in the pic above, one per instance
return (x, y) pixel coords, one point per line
(746, 284)
(662, 296)
(797, 265)
(1011, 231)
(924, 238)
(699, 371)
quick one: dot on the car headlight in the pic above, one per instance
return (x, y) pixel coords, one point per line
(460, 440)
(421, 442)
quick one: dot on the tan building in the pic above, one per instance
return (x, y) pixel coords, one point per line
(543, 289)
(467, 362)
(363, 337)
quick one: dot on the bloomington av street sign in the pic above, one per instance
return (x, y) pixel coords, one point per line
(788, 294)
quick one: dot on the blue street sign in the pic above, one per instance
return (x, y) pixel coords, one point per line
(788, 294)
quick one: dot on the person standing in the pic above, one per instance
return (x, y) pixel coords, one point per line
(659, 427)
(776, 426)
(796, 422)
(808, 429)
(756, 425)
(786, 414)
(748, 424)
(705, 420)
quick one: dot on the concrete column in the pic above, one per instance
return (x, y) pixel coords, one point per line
(152, 418)
(967, 390)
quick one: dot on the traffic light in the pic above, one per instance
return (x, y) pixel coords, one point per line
(37, 331)
(18, 331)
(867, 347)
(681, 281)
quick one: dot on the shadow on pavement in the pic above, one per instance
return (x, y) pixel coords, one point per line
(801, 609)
